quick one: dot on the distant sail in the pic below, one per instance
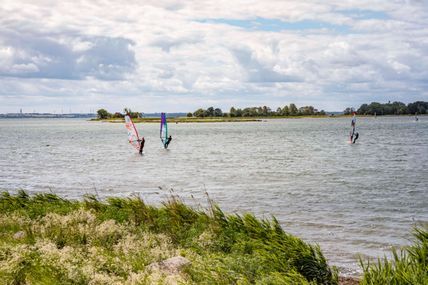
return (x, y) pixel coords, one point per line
(163, 129)
(133, 137)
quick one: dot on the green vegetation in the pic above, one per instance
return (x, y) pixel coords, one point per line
(262, 111)
(103, 114)
(45, 239)
(183, 120)
(409, 265)
(217, 115)
(394, 108)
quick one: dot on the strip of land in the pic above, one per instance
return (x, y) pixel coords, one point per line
(204, 120)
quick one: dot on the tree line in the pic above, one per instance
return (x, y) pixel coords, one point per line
(261, 111)
(104, 114)
(394, 108)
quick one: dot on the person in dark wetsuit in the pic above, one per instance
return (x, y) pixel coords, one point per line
(168, 140)
(353, 133)
(142, 141)
(356, 137)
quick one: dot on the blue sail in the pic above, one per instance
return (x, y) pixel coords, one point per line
(163, 130)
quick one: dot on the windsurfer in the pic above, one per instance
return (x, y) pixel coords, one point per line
(142, 141)
(353, 121)
(356, 137)
(168, 140)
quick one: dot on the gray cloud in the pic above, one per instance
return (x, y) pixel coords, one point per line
(35, 55)
(260, 72)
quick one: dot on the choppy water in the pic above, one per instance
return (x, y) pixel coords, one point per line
(351, 199)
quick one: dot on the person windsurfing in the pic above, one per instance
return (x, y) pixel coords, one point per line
(142, 142)
(353, 133)
(356, 137)
(168, 140)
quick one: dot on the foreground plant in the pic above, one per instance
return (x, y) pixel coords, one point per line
(408, 266)
(45, 239)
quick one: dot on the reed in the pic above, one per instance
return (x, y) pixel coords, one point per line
(407, 266)
(114, 241)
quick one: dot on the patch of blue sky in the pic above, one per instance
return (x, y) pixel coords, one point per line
(275, 25)
(359, 14)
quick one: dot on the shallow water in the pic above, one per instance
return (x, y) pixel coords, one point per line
(351, 199)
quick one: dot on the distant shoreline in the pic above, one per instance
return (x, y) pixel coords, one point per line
(234, 119)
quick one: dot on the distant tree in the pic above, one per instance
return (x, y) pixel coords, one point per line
(210, 112)
(103, 114)
(375, 107)
(232, 112)
(218, 112)
(117, 115)
(293, 110)
(278, 111)
(266, 111)
(189, 115)
(199, 113)
(363, 109)
(307, 110)
(419, 107)
(285, 111)
(399, 108)
(394, 108)
(348, 111)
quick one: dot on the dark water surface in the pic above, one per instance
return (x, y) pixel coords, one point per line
(351, 199)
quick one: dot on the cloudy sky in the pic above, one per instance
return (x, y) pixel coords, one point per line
(162, 55)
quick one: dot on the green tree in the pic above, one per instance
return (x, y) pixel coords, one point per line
(419, 107)
(189, 115)
(293, 110)
(232, 112)
(131, 114)
(285, 111)
(348, 111)
(117, 115)
(210, 112)
(103, 114)
(199, 113)
(218, 112)
(307, 110)
(363, 109)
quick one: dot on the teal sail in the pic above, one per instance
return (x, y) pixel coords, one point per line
(164, 130)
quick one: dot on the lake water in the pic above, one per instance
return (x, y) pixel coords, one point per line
(351, 199)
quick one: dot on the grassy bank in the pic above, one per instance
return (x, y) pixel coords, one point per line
(45, 239)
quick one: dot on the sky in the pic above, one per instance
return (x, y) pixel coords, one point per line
(178, 56)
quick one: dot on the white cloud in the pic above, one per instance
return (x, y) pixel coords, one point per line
(158, 55)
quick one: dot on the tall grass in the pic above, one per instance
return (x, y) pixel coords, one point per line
(114, 241)
(408, 265)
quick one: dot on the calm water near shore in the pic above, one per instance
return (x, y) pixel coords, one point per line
(351, 199)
